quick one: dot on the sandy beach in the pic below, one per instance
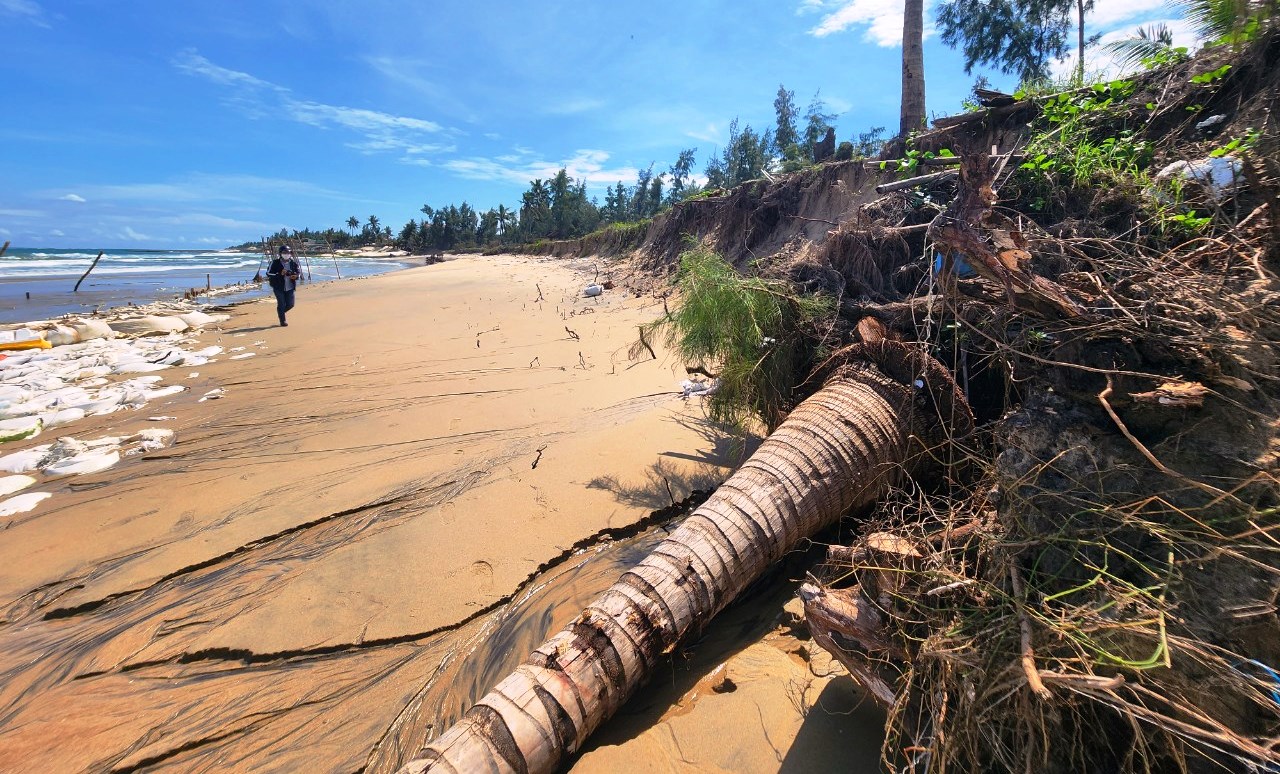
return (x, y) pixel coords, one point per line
(387, 506)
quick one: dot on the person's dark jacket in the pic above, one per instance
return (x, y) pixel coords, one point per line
(278, 273)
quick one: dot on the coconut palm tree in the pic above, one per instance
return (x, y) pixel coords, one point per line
(837, 450)
(912, 112)
(1228, 21)
(353, 223)
(1147, 43)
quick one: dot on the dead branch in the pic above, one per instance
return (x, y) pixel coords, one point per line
(1024, 628)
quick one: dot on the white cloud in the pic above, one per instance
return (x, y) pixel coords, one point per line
(209, 188)
(129, 233)
(588, 165)
(192, 63)
(5, 232)
(25, 9)
(72, 198)
(575, 106)
(21, 213)
(708, 133)
(56, 232)
(368, 121)
(882, 19)
(382, 132)
(809, 6)
(1106, 14)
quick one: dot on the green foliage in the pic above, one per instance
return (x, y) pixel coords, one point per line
(1020, 37)
(1067, 151)
(1237, 145)
(742, 159)
(1111, 159)
(1150, 47)
(785, 134)
(1232, 22)
(817, 122)
(910, 162)
(750, 330)
(1211, 76)
(1189, 222)
(869, 143)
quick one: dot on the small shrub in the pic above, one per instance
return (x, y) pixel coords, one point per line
(753, 332)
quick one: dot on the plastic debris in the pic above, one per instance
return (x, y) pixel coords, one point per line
(1219, 175)
(691, 388)
(959, 266)
(593, 290)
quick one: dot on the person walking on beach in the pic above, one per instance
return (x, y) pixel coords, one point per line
(283, 276)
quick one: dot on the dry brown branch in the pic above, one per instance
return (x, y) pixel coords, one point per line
(1024, 628)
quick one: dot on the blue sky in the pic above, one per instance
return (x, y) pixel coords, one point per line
(203, 124)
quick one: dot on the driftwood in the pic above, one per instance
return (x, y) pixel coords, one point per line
(992, 245)
(5, 248)
(912, 182)
(76, 289)
(839, 448)
(845, 624)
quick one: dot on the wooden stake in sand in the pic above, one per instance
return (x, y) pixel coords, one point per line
(5, 248)
(76, 289)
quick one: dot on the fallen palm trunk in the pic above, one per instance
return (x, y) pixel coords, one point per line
(839, 449)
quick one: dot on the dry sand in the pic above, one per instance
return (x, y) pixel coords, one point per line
(300, 582)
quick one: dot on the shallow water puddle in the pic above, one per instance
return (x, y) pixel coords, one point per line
(114, 676)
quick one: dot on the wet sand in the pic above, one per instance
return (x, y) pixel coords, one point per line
(336, 557)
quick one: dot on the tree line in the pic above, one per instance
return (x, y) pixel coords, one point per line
(1016, 37)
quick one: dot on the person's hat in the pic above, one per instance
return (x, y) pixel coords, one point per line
(286, 249)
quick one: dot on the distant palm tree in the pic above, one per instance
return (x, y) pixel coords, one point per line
(504, 216)
(353, 223)
(374, 231)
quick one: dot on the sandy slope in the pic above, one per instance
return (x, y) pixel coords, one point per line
(274, 590)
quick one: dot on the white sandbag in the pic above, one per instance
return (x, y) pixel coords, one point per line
(63, 417)
(82, 464)
(93, 372)
(15, 335)
(24, 461)
(61, 335)
(15, 410)
(22, 503)
(163, 392)
(198, 319)
(88, 330)
(149, 325)
(11, 484)
(20, 428)
(592, 290)
(138, 367)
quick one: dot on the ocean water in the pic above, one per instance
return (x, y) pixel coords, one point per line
(36, 283)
